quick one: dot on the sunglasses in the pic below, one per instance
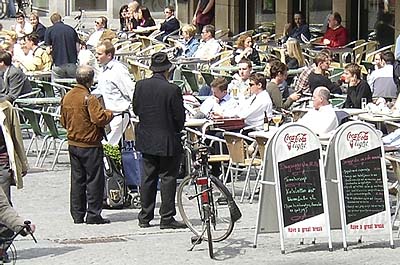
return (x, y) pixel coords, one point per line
(252, 84)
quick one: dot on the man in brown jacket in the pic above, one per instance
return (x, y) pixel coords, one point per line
(84, 118)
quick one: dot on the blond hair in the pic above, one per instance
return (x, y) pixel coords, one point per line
(294, 51)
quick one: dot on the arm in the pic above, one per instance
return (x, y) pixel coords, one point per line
(8, 215)
(209, 6)
(16, 84)
(98, 115)
(397, 49)
(178, 111)
(195, 12)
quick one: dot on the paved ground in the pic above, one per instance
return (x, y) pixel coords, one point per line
(45, 200)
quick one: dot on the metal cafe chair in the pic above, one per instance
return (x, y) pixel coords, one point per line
(240, 159)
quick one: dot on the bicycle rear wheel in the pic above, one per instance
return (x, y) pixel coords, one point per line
(193, 216)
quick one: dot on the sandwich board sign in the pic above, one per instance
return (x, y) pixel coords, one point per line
(293, 197)
(355, 166)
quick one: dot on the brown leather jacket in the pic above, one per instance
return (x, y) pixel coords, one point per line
(83, 117)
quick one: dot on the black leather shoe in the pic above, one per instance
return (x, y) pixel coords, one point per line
(98, 221)
(173, 225)
(144, 225)
(78, 221)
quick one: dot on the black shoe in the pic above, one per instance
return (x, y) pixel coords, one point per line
(78, 221)
(144, 225)
(98, 221)
(173, 225)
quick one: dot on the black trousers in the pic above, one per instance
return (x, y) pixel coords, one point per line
(167, 169)
(87, 182)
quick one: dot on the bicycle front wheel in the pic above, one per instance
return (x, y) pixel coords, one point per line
(190, 208)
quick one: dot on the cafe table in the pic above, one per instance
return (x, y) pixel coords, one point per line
(378, 118)
(39, 101)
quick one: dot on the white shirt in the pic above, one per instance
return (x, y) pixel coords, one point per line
(241, 85)
(389, 86)
(22, 31)
(95, 38)
(116, 86)
(226, 106)
(320, 121)
(208, 49)
(253, 109)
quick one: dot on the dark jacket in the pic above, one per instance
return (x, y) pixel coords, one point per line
(83, 117)
(159, 105)
(168, 26)
(356, 93)
(40, 29)
(16, 83)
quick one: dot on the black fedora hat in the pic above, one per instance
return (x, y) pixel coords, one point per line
(160, 62)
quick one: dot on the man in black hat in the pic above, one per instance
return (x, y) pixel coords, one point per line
(159, 105)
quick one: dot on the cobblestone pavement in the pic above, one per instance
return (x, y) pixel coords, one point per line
(45, 200)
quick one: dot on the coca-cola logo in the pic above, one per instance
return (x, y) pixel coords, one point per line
(295, 141)
(358, 139)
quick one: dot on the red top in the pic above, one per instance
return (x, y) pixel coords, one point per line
(338, 37)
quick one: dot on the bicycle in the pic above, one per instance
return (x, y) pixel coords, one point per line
(205, 204)
(80, 25)
(7, 244)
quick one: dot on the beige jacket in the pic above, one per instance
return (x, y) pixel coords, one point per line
(9, 122)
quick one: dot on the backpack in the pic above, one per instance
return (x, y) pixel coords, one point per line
(114, 188)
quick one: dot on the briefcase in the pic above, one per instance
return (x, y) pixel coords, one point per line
(229, 124)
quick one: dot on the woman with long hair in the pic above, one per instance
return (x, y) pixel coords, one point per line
(294, 57)
(144, 16)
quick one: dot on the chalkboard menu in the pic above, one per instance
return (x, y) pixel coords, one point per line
(363, 185)
(300, 184)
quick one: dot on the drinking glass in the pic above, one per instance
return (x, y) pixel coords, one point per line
(277, 119)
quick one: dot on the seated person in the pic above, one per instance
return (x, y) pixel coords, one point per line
(37, 27)
(190, 43)
(102, 32)
(294, 55)
(169, 25)
(22, 27)
(318, 77)
(245, 50)
(15, 81)
(336, 34)
(357, 89)
(381, 80)
(221, 104)
(41, 59)
(278, 74)
(145, 18)
(239, 86)
(209, 47)
(297, 28)
(255, 108)
(322, 119)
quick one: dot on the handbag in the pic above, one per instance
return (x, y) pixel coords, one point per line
(132, 164)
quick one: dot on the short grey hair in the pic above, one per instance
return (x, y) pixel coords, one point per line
(323, 92)
(84, 74)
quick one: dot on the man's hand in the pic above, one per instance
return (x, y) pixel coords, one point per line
(295, 96)
(326, 41)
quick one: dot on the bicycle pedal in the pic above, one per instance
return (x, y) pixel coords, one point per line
(196, 240)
